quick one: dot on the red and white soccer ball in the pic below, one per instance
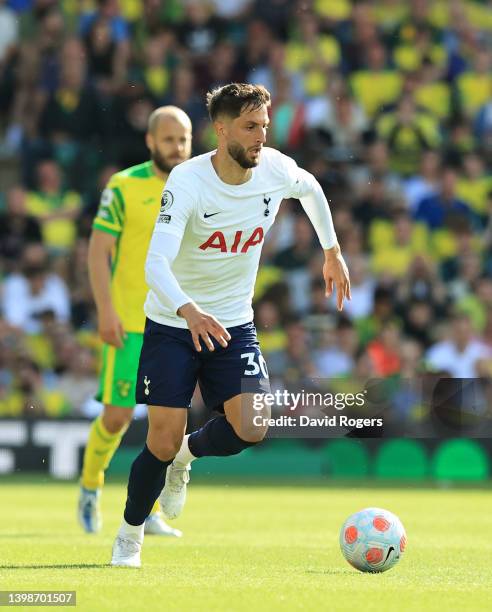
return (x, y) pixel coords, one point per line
(373, 540)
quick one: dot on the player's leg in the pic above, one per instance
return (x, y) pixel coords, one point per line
(117, 391)
(166, 379)
(147, 478)
(104, 438)
(242, 426)
(224, 378)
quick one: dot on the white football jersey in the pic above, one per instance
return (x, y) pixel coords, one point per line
(222, 229)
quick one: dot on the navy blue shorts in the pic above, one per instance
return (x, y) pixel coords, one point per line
(170, 367)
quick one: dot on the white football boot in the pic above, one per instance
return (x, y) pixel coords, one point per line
(173, 495)
(126, 552)
(156, 525)
(89, 511)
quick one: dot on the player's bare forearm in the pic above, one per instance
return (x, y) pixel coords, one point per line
(201, 324)
(336, 274)
(99, 264)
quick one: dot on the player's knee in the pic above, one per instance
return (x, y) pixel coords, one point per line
(164, 447)
(253, 435)
(251, 432)
(116, 419)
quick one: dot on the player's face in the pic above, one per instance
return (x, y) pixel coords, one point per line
(169, 144)
(245, 136)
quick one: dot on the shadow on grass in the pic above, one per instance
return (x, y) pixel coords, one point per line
(330, 572)
(63, 566)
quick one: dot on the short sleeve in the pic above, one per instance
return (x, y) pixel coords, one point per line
(177, 205)
(111, 212)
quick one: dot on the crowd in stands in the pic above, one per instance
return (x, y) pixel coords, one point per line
(387, 103)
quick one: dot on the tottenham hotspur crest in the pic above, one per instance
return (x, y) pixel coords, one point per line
(146, 383)
(266, 202)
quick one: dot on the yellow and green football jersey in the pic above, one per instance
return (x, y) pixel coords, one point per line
(128, 210)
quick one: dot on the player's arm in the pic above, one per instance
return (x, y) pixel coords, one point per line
(163, 249)
(316, 206)
(107, 226)
(109, 325)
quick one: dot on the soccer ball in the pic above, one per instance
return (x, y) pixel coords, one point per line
(373, 540)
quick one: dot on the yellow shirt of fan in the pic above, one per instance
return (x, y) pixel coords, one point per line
(128, 210)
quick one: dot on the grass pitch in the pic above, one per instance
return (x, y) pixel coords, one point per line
(251, 548)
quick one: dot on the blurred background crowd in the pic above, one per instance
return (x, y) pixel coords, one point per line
(387, 103)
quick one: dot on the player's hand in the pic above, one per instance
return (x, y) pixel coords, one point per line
(110, 327)
(336, 275)
(203, 325)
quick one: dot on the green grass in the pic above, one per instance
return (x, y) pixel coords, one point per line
(252, 548)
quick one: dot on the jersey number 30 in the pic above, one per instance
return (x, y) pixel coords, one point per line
(253, 367)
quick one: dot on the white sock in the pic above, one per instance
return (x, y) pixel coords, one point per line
(135, 532)
(184, 455)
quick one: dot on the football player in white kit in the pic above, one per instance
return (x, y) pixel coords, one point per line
(201, 269)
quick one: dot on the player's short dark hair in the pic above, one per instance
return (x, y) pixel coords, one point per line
(231, 100)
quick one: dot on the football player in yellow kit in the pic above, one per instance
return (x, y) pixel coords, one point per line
(121, 233)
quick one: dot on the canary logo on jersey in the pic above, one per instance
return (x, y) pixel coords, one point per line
(217, 241)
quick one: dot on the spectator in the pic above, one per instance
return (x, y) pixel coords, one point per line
(312, 53)
(422, 282)
(395, 246)
(287, 116)
(477, 302)
(418, 317)
(473, 86)
(159, 60)
(409, 132)
(374, 204)
(425, 184)
(474, 184)
(37, 398)
(79, 382)
(339, 122)
(17, 228)
(362, 286)
(376, 163)
(336, 355)
(108, 10)
(106, 64)
(132, 116)
(294, 365)
(376, 84)
(271, 334)
(384, 350)
(54, 207)
(460, 353)
(438, 211)
(200, 31)
(183, 93)
(294, 260)
(383, 312)
(27, 296)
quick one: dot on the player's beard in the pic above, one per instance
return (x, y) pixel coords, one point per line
(162, 162)
(238, 154)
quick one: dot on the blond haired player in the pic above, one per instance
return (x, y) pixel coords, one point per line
(118, 247)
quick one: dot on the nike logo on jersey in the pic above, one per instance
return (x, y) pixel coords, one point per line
(149, 201)
(207, 215)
